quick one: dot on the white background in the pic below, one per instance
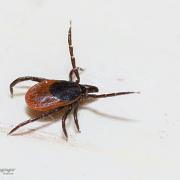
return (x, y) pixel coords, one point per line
(123, 46)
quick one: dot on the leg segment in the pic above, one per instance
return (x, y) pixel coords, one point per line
(25, 78)
(109, 95)
(73, 71)
(73, 61)
(35, 119)
(75, 116)
(64, 120)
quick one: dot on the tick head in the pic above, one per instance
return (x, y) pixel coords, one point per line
(88, 89)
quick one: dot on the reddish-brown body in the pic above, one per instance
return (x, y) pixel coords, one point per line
(39, 97)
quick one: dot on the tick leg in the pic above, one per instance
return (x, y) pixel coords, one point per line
(25, 78)
(109, 95)
(64, 121)
(35, 119)
(73, 61)
(73, 71)
(75, 116)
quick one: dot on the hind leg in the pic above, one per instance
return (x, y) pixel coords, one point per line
(35, 119)
(25, 78)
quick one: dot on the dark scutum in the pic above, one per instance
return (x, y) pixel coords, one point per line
(65, 90)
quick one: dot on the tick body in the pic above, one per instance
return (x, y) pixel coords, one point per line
(51, 96)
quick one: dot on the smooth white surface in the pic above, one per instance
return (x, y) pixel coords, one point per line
(124, 46)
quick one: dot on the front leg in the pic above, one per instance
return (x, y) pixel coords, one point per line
(73, 60)
(73, 72)
(25, 78)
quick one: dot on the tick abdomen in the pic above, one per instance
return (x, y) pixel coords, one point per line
(50, 94)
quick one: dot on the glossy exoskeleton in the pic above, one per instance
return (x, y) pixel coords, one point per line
(51, 96)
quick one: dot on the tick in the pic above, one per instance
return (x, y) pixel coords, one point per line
(51, 96)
